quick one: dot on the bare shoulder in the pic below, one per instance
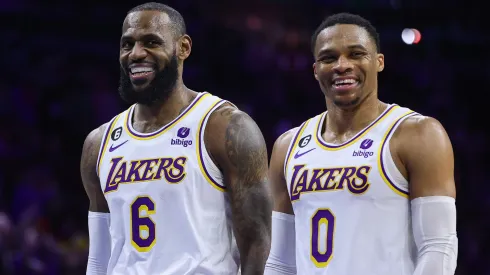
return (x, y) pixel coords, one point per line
(225, 115)
(95, 136)
(421, 132)
(283, 141)
(279, 151)
(220, 118)
(232, 134)
(421, 142)
(88, 166)
(421, 124)
(426, 154)
(92, 144)
(277, 178)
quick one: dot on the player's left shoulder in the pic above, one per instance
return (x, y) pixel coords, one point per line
(220, 118)
(420, 127)
(232, 131)
(228, 116)
(421, 135)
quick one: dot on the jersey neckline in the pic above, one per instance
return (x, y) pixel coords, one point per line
(128, 126)
(332, 146)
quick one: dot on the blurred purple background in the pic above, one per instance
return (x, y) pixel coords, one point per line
(60, 74)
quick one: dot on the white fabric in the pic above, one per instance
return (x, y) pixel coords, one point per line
(351, 216)
(434, 230)
(100, 243)
(170, 213)
(282, 257)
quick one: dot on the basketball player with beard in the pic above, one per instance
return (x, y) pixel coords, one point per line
(174, 179)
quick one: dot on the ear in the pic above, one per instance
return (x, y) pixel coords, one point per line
(184, 47)
(314, 71)
(381, 62)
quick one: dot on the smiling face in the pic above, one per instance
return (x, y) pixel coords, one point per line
(346, 64)
(149, 63)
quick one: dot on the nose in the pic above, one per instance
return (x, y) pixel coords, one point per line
(343, 65)
(138, 52)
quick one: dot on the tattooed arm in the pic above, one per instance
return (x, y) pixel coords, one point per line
(236, 144)
(98, 215)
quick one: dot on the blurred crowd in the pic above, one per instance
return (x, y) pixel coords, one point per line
(60, 76)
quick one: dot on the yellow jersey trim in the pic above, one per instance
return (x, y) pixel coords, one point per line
(199, 152)
(293, 147)
(105, 142)
(164, 129)
(381, 167)
(322, 144)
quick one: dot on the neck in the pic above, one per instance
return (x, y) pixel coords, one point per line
(146, 118)
(341, 120)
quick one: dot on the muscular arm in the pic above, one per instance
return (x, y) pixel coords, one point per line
(427, 152)
(282, 258)
(238, 147)
(88, 170)
(98, 220)
(282, 203)
(424, 148)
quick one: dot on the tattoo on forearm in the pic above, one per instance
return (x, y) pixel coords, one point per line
(251, 203)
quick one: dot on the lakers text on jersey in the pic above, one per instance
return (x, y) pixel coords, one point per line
(350, 201)
(169, 209)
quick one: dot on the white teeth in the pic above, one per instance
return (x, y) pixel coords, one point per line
(141, 69)
(345, 81)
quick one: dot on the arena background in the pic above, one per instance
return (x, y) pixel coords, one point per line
(59, 78)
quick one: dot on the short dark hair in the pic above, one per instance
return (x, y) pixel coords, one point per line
(346, 18)
(176, 18)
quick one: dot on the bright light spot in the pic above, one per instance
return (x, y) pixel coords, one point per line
(411, 36)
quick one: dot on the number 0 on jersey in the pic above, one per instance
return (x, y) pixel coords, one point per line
(322, 244)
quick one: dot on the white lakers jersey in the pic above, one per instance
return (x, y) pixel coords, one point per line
(350, 202)
(168, 207)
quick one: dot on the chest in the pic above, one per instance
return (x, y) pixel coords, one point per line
(164, 163)
(346, 173)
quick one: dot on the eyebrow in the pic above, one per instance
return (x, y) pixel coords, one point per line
(357, 47)
(350, 47)
(148, 36)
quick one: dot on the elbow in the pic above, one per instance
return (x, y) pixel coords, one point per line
(444, 245)
(252, 224)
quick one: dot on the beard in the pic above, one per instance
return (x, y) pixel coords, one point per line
(157, 91)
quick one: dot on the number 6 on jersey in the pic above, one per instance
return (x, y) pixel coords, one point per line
(321, 254)
(141, 209)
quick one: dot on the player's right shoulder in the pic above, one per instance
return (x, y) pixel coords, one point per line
(280, 149)
(277, 172)
(94, 138)
(284, 140)
(88, 169)
(91, 147)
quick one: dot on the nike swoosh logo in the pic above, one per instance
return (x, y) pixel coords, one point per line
(298, 154)
(114, 148)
